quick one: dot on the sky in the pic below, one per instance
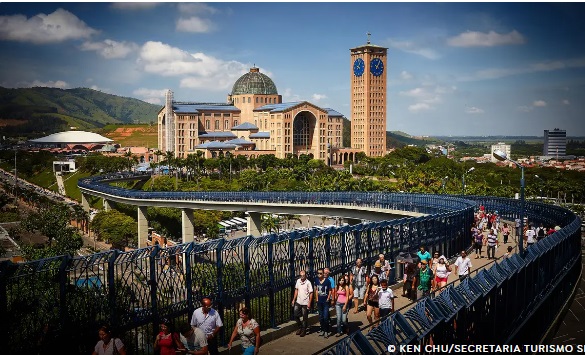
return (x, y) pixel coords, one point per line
(453, 68)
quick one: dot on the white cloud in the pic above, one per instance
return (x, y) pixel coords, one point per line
(288, 96)
(134, 5)
(427, 97)
(404, 75)
(474, 110)
(153, 96)
(490, 39)
(566, 102)
(539, 103)
(318, 97)
(110, 49)
(421, 106)
(496, 73)
(197, 8)
(411, 47)
(194, 24)
(58, 26)
(60, 84)
(197, 70)
(524, 108)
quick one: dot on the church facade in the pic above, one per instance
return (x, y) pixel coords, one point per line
(254, 121)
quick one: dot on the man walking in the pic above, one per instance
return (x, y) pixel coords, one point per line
(358, 281)
(324, 295)
(463, 265)
(208, 320)
(385, 300)
(492, 242)
(302, 298)
(425, 278)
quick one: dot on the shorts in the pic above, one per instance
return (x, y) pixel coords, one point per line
(373, 303)
(359, 291)
(440, 279)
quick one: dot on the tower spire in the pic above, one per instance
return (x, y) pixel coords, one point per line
(368, 34)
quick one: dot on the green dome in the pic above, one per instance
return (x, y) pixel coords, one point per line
(254, 83)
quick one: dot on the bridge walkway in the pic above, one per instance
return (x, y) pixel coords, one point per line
(284, 341)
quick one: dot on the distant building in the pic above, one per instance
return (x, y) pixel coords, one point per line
(506, 148)
(555, 143)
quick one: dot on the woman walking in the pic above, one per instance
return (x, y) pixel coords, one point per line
(249, 332)
(505, 232)
(371, 299)
(341, 302)
(441, 271)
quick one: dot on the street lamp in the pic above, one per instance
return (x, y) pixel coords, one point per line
(543, 182)
(464, 173)
(444, 181)
(501, 156)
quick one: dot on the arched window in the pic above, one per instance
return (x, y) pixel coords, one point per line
(216, 124)
(226, 124)
(207, 124)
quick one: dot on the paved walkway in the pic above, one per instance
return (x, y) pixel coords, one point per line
(312, 343)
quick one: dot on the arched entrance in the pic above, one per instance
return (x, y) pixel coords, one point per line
(303, 130)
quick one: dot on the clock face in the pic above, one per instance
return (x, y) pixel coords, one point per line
(376, 67)
(358, 67)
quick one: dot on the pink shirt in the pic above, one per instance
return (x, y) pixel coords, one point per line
(341, 295)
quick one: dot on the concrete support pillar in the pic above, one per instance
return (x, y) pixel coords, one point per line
(142, 226)
(254, 224)
(85, 202)
(107, 205)
(188, 228)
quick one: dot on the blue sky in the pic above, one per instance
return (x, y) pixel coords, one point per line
(453, 68)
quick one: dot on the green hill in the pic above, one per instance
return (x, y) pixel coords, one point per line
(39, 111)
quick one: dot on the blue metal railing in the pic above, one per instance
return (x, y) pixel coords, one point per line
(71, 296)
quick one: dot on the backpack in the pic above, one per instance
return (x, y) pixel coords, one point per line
(541, 232)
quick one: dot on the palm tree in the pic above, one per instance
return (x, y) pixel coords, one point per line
(270, 223)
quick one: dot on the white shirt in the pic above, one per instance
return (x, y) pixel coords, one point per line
(206, 322)
(463, 265)
(385, 298)
(530, 236)
(304, 290)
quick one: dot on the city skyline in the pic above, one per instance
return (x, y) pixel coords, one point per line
(453, 68)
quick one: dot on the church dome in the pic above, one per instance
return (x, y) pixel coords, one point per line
(254, 83)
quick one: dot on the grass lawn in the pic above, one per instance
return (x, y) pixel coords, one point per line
(45, 178)
(70, 182)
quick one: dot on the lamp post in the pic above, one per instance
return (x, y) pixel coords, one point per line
(541, 179)
(444, 181)
(464, 173)
(501, 156)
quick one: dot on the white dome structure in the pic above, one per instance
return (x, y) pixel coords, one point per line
(72, 137)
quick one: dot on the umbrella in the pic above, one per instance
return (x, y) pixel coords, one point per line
(407, 257)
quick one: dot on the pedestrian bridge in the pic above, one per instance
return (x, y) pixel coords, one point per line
(354, 206)
(516, 302)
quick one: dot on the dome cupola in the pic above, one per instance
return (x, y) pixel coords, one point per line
(254, 83)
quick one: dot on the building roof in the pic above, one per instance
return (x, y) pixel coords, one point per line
(254, 83)
(246, 126)
(239, 141)
(216, 145)
(194, 107)
(260, 135)
(217, 135)
(278, 107)
(332, 113)
(73, 137)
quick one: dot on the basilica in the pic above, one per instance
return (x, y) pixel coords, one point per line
(254, 121)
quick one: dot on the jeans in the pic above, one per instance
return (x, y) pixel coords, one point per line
(301, 311)
(491, 251)
(249, 350)
(323, 308)
(341, 316)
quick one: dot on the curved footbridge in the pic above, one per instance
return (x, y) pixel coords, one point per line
(351, 205)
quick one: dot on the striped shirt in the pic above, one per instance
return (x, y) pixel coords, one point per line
(492, 239)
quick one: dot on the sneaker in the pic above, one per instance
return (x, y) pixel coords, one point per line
(326, 335)
(302, 333)
(321, 333)
(299, 331)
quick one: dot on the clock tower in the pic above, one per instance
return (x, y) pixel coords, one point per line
(368, 98)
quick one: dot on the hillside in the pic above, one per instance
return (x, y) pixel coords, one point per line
(39, 111)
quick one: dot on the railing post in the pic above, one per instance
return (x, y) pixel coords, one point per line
(63, 282)
(247, 273)
(153, 284)
(271, 295)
